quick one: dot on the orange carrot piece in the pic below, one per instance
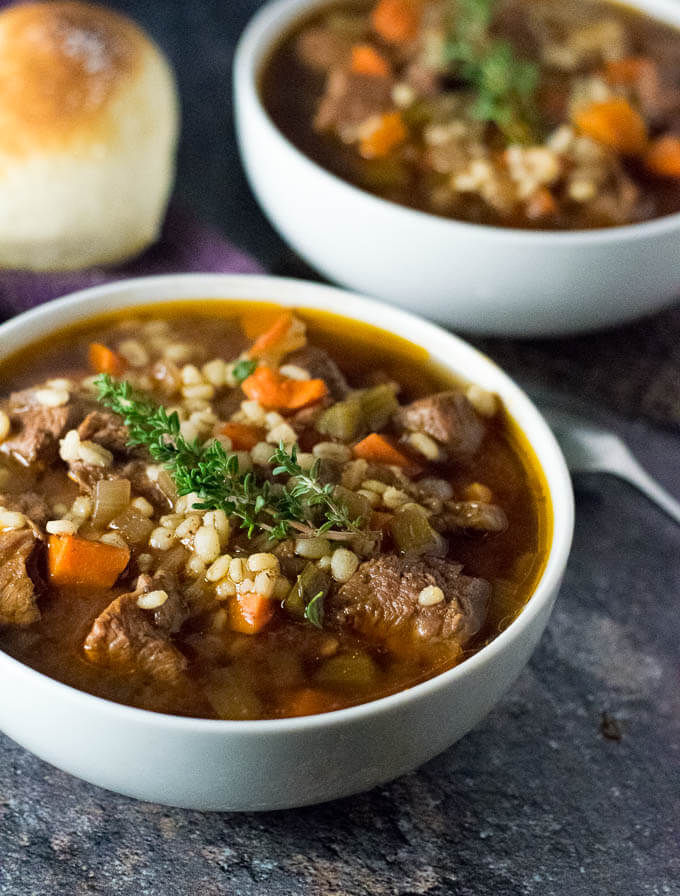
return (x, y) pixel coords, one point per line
(308, 702)
(378, 449)
(388, 133)
(366, 60)
(663, 156)
(287, 334)
(244, 436)
(277, 392)
(77, 561)
(250, 612)
(616, 124)
(104, 360)
(628, 72)
(397, 21)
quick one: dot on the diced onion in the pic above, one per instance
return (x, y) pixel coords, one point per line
(111, 498)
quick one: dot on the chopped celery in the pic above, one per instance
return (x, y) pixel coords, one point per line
(357, 506)
(347, 671)
(377, 406)
(412, 533)
(311, 582)
(341, 420)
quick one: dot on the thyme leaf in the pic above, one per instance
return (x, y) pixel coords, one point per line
(314, 610)
(504, 84)
(305, 507)
(243, 369)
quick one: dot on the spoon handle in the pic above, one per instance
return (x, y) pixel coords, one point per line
(639, 477)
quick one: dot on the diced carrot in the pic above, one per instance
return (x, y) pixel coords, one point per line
(105, 360)
(378, 449)
(663, 156)
(629, 71)
(308, 702)
(250, 612)
(244, 436)
(277, 392)
(541, 204)
(616, 124)
(287, 334)
(379, 141)
(397, 21)
(77, 561)
(366, 60)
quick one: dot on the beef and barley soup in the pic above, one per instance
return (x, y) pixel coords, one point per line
(248, 512)
(549, 114)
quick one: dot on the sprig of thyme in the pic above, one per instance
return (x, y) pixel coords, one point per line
(207, 470)
(308, 490)
(504, 84)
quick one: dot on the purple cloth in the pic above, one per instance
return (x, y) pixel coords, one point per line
(184, 246)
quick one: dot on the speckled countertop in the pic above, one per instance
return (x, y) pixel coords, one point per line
(571, 786)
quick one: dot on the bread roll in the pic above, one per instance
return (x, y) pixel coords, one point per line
(88, 128)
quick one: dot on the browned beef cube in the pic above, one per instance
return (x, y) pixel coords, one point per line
(320, 365)
(39, 428)
(470, 516)
(322, 48)
(107, 430)
(351, 99)
(33, 506)
(171, 615)
(449, 418)
(129, 637)
(381, 600)
(18, 602)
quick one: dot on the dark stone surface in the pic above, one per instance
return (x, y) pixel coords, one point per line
(536, 800)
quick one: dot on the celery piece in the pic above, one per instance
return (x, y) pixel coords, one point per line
(357, 506)
(341, 420)
(347, 672)
(377, 406)
(311, 582)
(412, 533)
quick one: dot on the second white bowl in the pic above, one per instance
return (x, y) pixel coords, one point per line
(272, 764)
(487, 280)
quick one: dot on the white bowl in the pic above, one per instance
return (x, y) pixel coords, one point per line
(271, 764)
(487, 280)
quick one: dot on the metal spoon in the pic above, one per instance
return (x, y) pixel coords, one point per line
(588, 448)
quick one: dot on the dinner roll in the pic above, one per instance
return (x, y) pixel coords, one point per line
(88, 128)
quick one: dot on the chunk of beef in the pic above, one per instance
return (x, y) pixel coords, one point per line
(107, 430)
(470, 516)
(381, 600)
(291, 565)
(351, 99)
(171, 615)
(320, 365)
(131, 638)
(18, 578)
(320, 48)
(33, 506)
(40, 428)
(449, 418)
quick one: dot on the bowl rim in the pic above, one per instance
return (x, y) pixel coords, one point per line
(275, 17)
(31, 326)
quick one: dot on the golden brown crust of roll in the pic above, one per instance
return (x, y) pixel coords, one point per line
(61, 64)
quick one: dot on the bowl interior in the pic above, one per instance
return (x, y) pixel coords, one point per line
(277, 17)
(451, 352)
